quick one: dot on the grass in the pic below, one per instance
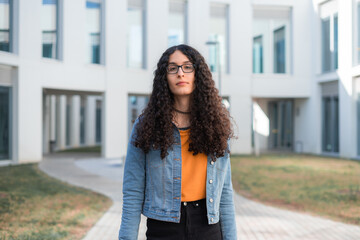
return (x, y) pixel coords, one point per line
(323, 186)
(35, 206)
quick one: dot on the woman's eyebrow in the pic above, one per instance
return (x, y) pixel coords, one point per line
(176, 63)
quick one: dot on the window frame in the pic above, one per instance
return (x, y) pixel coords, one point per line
(227, 69)
(261, 55)
(143, 64)
(101, 35)
(58, 46)
(328, 10)
(185, 20)
(269, 20)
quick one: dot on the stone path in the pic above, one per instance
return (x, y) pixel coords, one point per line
(255, 221)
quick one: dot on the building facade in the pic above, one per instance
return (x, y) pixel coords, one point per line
(77, 73)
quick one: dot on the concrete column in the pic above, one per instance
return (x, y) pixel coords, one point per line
(52, 118)
(240, 109)
(46, 123)
(61, 122)
(347, 116)
(90, 120)
(29, 90)
(114, 123)
(75, 121)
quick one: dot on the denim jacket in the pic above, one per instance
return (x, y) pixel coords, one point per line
(152, 186)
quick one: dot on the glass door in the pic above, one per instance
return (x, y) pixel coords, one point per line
(330, 124)
(5, 123)
(281, 125)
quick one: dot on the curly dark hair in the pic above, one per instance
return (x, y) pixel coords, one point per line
(210, 125)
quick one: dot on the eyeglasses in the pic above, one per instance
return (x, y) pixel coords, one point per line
(186, 68)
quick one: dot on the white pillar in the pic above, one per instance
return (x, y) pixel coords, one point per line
(46, 123)
(90, 120)
(52, 118)
(75, 121)
(347, 116)
(61, 122)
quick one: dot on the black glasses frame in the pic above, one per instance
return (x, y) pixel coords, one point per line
(180, 66)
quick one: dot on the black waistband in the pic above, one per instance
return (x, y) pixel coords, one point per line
(198, 203)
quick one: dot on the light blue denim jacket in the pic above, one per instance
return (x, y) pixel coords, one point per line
(152, 186)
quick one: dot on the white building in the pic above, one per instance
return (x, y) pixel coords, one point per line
(76, 73)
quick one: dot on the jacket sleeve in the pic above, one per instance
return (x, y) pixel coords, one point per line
(227, 209)
(133, 191)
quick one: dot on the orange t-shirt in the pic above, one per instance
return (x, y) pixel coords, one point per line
(193, 174)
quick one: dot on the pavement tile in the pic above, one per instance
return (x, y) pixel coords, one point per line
(255, 221)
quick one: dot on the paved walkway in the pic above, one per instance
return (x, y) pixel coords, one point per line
(254, 221)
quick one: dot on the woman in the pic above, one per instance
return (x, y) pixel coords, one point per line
(177, 169)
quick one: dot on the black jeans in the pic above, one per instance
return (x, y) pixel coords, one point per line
(193, 225)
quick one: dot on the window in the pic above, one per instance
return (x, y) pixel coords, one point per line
(336, 41)
(177, 22)
(279, 50)
(329, 36)
(330, 117)
(331, 124)
(98, 122)
(49, 29)
(271, 40)
(93, 17)
(356, 32)
(5, 123)
(219, 33)
(82, 120)
(257, 55)
(5, 25)
(136, 34)
(68, 121)
(325, 39)
(136, 105)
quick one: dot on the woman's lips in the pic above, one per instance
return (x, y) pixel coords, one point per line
(181, 83)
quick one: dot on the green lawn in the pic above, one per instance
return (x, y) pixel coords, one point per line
(323, 186)
(35, 206)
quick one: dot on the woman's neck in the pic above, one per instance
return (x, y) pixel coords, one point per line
(182, 104)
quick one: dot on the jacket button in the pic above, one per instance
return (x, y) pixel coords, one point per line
(210, 181)
(211, 200)
(212, 162)
(212, 219)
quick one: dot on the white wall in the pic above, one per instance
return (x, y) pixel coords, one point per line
(114, 81)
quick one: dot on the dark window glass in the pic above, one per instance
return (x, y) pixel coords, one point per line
(358, 33)
(279, 50)
(5, 123)
(335, 42)
(330, 141)
(49, 28)
(98, 122)
(47, 50)
(257, 55)
(82, 125)
(5, 25)
(325, 39)
(68, 122)
(93, 16)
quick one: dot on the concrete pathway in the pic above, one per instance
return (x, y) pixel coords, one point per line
(255, 221)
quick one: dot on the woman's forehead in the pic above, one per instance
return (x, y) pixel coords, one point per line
(179, 58)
